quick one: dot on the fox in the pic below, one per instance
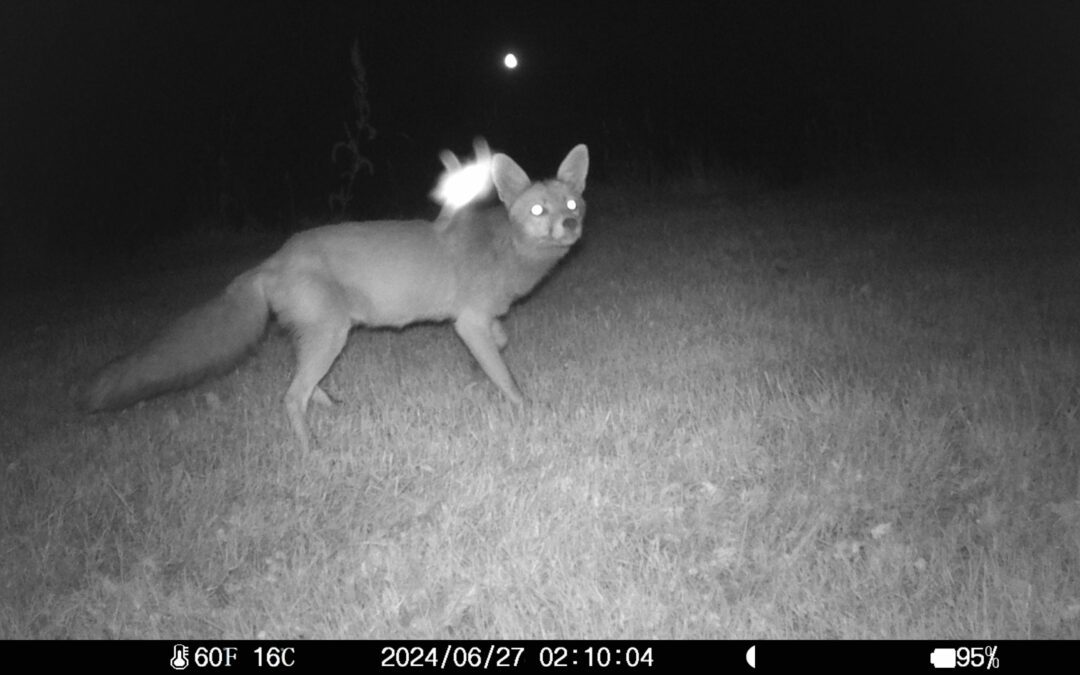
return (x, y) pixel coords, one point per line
(467, 266)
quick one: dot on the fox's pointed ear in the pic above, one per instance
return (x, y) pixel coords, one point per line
(574, 167)
(509, 178)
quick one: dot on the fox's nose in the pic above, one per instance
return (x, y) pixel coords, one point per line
(571, 225)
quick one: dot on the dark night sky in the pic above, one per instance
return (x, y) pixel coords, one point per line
(117, 115)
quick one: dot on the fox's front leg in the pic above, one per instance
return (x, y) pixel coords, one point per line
(499, 334)
(484, 337)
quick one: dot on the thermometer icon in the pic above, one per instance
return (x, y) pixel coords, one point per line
(179, 659)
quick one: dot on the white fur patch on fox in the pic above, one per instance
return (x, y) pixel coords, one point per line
(468, 267)
(462, 184)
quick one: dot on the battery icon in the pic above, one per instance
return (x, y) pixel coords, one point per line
(943, 657)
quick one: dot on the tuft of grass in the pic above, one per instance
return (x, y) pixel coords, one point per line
(801, 415)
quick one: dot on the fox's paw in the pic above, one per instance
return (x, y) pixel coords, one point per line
(321, 398)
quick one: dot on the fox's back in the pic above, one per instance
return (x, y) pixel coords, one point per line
(382, 273)
(393, 273)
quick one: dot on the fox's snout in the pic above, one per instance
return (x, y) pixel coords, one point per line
(566, 231)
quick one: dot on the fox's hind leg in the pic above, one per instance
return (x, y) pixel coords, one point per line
(317, 346)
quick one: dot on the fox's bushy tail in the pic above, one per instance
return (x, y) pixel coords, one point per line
(205, 341)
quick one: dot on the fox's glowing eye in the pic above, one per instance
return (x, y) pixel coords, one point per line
(536, 210)
(571, 204)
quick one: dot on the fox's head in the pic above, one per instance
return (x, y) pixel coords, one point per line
(548, 213)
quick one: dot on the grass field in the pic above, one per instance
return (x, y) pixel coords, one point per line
(811, 414)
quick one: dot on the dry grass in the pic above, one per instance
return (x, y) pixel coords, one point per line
(795, 416)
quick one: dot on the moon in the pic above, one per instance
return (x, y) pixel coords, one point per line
(510, 61)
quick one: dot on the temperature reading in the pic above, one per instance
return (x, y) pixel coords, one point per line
(276, 656)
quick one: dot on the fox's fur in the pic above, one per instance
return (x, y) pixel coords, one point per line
(461, 184)
(467, 267)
